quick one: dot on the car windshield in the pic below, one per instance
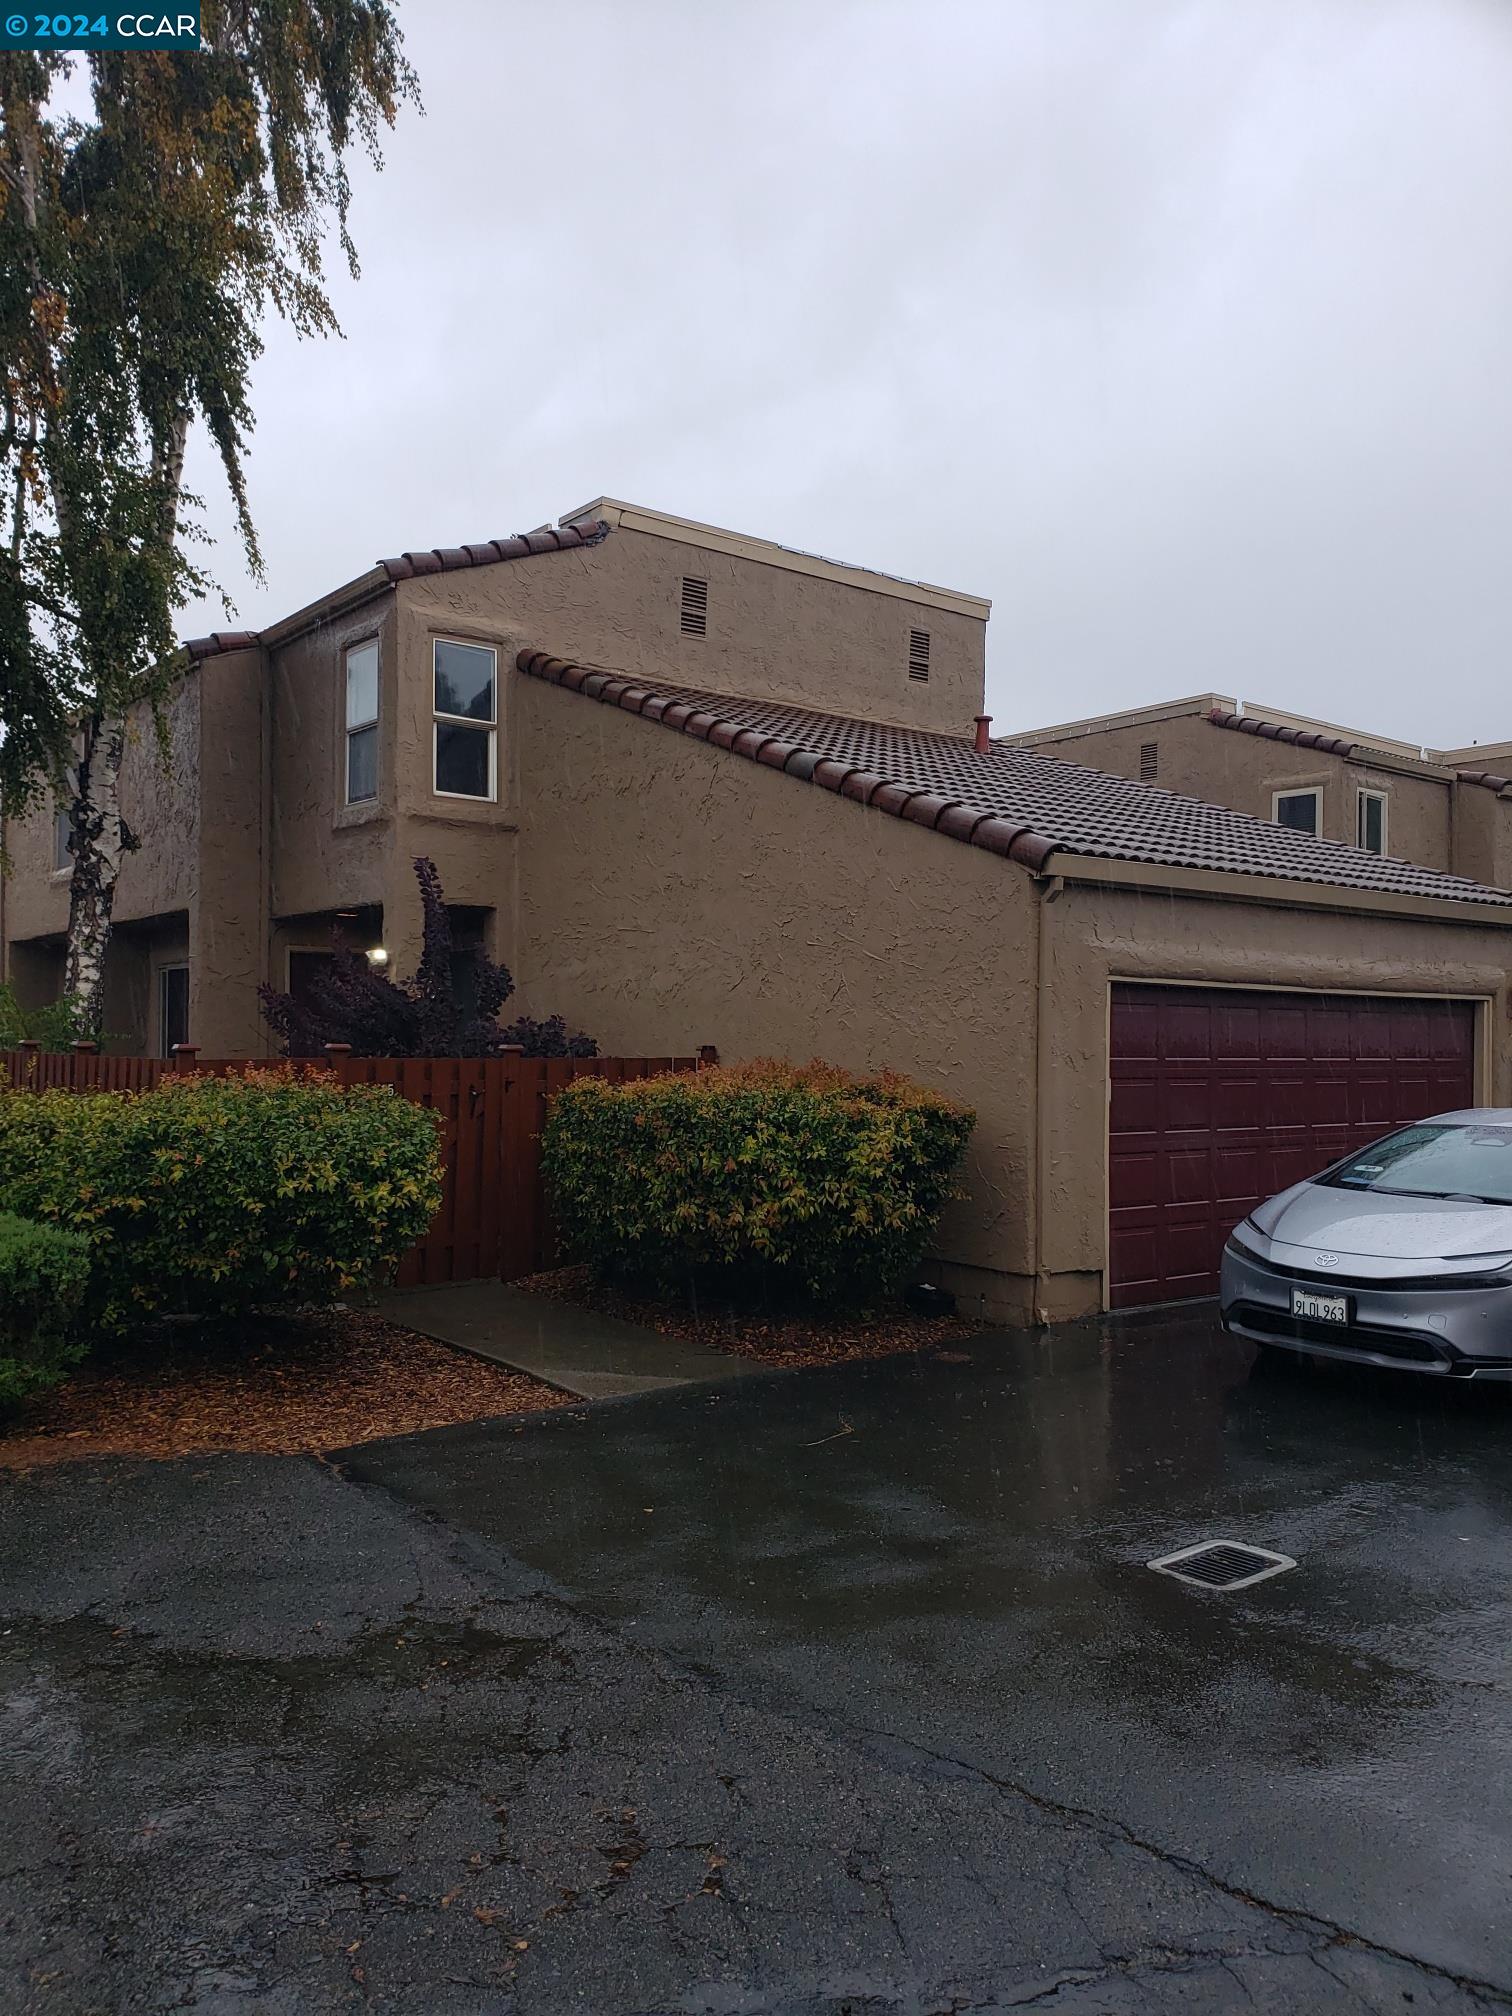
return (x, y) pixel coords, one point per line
(1467, 1163)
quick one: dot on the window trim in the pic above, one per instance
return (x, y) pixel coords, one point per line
(348, 802)
(490, 727)
(1313, 791)
(1383, 799)
(164, 1048)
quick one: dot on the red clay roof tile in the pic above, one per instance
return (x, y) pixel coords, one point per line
(1305, 738)
(1014, 802)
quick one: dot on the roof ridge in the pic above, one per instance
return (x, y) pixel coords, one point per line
(930, 809)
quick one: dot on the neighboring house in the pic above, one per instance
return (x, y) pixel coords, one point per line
(1442, 808)
(777, 832)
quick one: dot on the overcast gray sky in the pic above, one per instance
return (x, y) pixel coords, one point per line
(1178, 327)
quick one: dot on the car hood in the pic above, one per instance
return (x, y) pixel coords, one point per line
(1374, 1224)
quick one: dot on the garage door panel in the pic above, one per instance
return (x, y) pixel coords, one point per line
(1221, 1098)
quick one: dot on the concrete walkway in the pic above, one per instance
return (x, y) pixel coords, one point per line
(595, 1357)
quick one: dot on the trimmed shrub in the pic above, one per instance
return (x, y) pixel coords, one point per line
(761, 1178)
(213, 1195)
(44, 1273)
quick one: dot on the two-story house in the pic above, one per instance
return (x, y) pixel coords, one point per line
(1449, 809)
(314, 760)
(696, 787)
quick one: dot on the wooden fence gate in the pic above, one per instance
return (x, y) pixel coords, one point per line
(494, 1218)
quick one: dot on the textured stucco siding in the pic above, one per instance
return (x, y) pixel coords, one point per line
(671, 895)
(324, 854)
(162, 807)
(772, 633)
(1225, 767)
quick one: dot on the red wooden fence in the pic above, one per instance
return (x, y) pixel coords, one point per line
(494, 1218)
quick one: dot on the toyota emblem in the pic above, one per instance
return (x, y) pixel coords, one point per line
(1326, 1259)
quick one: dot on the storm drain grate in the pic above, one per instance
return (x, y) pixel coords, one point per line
(1222, 1564)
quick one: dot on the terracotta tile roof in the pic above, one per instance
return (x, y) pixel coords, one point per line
(442, 559)
(1010, 801)
(1487, 778)
(1272, 731)
(218, 641)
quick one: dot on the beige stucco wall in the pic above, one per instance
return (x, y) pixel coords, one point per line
(772, 632)
(161, 807)
(1482, 829)
(672, 896)
(1225, 767)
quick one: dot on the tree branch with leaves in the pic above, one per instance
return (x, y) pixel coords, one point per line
(141, 249)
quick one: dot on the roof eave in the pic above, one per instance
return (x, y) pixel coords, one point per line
(1230, 886)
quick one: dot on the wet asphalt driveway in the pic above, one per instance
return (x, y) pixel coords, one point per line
(840, 1694)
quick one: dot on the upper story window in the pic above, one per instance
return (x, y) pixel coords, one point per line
(1302, 811)
(1370, 822)
(466, 724)
(62, 833)
(362, 723)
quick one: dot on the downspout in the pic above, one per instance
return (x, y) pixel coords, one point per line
(1049, 888)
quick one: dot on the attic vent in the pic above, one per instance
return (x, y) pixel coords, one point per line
(1149, 762)
(918, 654)
(695, 607)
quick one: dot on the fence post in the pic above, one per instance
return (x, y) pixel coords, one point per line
(708, 1056)
(31, 1051)
(337, 1056)
(184, 1055)
(80, 1050)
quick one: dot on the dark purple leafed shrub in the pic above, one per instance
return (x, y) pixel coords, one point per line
(352, 1002)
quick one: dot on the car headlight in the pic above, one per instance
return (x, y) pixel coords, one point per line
(1247, 1237)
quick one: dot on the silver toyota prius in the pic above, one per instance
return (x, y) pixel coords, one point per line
(1399, 1255)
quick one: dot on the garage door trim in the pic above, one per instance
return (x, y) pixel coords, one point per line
(1483, 1005)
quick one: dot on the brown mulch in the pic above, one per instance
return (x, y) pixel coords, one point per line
(783, 1338)
(281, 1385)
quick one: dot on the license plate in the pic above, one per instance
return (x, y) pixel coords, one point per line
(1320, 1308)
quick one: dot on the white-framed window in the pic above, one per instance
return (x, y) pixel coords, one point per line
(362, 722)
(173, 1008)
(1370, 821)
(1302, 811)
(466, 705)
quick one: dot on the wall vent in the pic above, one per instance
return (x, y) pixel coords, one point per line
(1149, 762)
(695, 607)
(918, 654)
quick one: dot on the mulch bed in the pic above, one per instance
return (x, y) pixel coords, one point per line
(285, 1385)
(782, 1338)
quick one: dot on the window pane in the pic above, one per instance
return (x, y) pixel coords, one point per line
(61, 831)
(362, 685)
(1299, 811)
(173, 983)
(462, 760)
(1372, 833)
(362, 765)
(464, 680)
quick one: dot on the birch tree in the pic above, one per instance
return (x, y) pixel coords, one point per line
(141, 248)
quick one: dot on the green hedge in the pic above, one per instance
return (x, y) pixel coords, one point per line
(760, 1178)
(44, 1273)
(212, 1195)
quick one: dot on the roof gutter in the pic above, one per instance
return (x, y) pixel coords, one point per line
(1224, 885)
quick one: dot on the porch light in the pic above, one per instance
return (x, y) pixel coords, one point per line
(378, 956)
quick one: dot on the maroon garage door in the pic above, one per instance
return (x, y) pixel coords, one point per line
(1220, 1098)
